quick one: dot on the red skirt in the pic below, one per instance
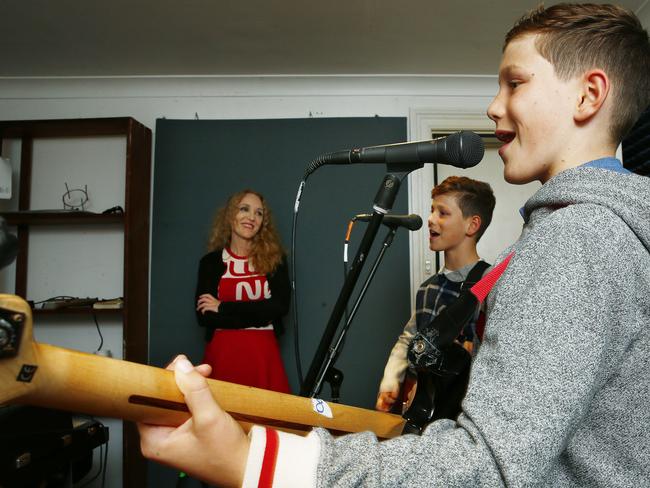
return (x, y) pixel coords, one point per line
(247, 357)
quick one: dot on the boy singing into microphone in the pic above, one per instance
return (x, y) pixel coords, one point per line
(559, 389)
(461, 211)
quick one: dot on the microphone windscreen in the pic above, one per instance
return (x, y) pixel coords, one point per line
(465, 149)
(414, 222)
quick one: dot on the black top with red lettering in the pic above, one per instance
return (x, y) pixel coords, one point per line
(245, 303)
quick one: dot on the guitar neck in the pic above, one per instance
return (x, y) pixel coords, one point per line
(96, 385)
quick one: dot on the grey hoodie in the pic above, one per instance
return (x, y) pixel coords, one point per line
(560, 389)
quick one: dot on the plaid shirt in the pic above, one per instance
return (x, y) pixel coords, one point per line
(433, 295)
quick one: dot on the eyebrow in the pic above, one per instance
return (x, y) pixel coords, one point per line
(441, 206)
(510, 68)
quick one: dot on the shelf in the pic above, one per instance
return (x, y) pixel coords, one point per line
(77, 311)
(60, 218)
(67, 127)
(133, 223)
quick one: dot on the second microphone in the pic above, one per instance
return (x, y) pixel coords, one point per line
(410, 222)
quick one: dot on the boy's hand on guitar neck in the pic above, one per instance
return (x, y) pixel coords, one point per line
(211, 445)
(386, 400)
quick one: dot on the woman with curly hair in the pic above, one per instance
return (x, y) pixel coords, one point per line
(242, 293)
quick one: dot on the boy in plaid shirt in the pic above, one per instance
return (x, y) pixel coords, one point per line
(461, 211)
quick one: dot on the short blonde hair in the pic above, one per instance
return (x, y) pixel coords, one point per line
(577, 37)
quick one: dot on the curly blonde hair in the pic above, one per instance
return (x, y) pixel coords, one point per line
(266, 253)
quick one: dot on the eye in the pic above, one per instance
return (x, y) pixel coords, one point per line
(512, 84)
(243, 208)
(260, 213)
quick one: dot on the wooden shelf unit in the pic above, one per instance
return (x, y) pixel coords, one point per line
(135, 220)
(77, 311)
(61, 218)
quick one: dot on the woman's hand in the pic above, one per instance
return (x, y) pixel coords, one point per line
(207, 302)
(210, 445)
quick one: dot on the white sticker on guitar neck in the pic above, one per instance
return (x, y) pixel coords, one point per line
(322, 408)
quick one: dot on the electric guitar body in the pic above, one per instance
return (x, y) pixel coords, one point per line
(439, 396)
(48, 376)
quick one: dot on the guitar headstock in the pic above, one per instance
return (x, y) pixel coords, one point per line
(17, 358)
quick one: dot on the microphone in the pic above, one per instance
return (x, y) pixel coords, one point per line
(411, 222)
(461, 149)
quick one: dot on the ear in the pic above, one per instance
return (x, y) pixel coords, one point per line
(474, 225)
(594, 89)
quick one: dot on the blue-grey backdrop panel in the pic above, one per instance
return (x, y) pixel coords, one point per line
(198, 163)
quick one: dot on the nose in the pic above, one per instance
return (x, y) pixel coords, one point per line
(430, 220)
(495, 109)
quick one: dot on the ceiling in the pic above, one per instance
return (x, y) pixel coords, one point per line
(256, 37)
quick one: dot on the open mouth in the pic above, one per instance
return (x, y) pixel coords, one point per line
(433, 234)
(505, 136)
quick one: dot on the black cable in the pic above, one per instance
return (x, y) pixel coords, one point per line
(294, 291)
(99, 471)
(101, 337)
(313, 166)
(105, 466)
(103, 460)
(346, 243)
(51, 299)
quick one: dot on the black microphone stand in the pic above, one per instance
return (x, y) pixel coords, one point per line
(383, 203)
(333, 375)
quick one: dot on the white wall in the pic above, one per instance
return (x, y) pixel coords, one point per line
(644, 14)
(147, 99)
